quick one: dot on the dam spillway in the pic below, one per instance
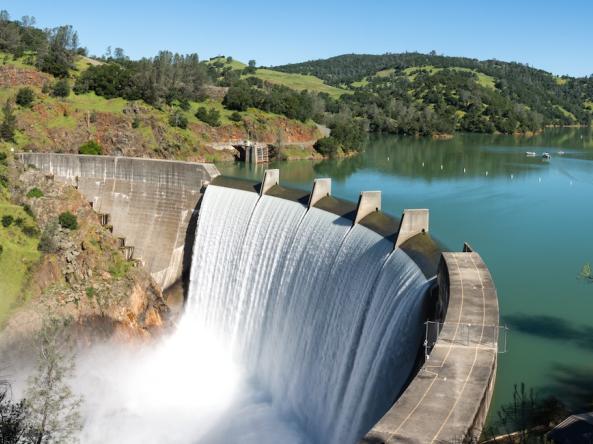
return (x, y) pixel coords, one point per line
(322, 302)
(326, 316)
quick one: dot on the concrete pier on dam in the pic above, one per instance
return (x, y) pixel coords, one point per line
(152, 205)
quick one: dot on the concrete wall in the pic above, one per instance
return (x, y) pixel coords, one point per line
(150, 203)
(448, 399)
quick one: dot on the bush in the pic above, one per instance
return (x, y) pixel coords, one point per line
(3, 180)
(91, 147)
(35, 193)
(211, 116)
(90, 292)
(7, 220)
(68, 220)
(25, 97)
(3, 158)
(47, 242)
(19, 221)
(30, 231)
(328, 146)
(235, 117)
(136, 122)
(1, 249)
(178, 120)
(61, 88)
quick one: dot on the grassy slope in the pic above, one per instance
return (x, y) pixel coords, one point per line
(19, 251)
(295, 81)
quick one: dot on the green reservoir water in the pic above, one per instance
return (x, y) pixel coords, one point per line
(530, 219)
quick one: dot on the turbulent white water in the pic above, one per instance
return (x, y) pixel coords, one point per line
(324, 319)
(297, 329)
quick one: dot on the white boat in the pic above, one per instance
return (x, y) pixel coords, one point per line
(546, 156)
(561, 153)
(530, 153)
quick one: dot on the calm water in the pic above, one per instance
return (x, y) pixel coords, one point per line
(531, 220)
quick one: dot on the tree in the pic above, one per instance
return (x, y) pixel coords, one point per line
(54, 410)
(25, 96)
(211, 116)
(8, 126)
(13, 418)
(250, 67)
(61, 88)
(7, 220)
(57, 57)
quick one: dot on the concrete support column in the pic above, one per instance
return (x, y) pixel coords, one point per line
(271, 178)
(321, 188)
(412, 223)
(368, 202)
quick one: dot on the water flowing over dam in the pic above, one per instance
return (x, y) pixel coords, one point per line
(308, 319)
(326, 317)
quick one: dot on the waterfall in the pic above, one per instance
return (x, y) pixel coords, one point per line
(324, 318)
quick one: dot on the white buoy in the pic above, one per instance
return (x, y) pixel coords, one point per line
(464, 171)
(486, 173)
(441, 167)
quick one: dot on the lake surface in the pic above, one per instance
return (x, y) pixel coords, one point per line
(531, 220)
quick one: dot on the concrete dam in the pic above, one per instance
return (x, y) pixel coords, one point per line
(354, 326)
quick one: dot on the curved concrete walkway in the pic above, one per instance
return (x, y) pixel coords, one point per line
(449, 398)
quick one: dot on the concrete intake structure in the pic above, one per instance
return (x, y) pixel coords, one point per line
(152, 205)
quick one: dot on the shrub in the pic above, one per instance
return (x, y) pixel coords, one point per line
(25, 96)
(1, 249)
(91, 147)
(235, 117)
(47, 242)
(30, 231)
(184, 104)
(68, 220)
(7, 220)
(61, 88)
(3, 180)
(90, 292)
(35, 193)
(211, 116)
(19, 221)
(136, 122)
(328, 146)
(178, 120)
(3, 158)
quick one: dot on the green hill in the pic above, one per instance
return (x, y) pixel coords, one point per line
(459, 93)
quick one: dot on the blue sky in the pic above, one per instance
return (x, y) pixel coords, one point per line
(553, 35)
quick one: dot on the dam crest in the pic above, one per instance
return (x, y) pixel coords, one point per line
(397, 338)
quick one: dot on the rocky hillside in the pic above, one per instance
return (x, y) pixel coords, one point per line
(80, 275)
(134, 128)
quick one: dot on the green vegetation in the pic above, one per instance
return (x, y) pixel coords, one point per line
(8, 125)
(19, 253)
(91, 148)
(178, 120)
(25, 97)
(415, 93)
(35, 193)
(68, 220)
(61, 88)
(586, 273)
(119, 266)
(210, 116)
